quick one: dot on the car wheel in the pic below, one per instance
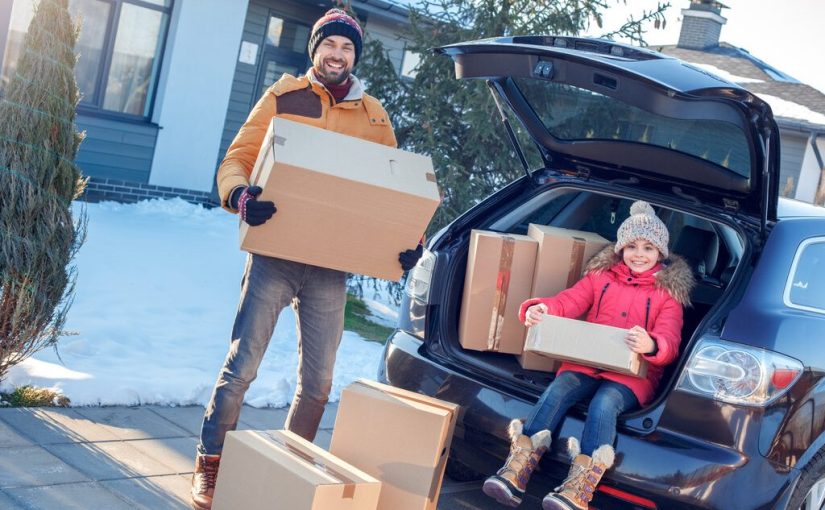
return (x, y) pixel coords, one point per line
(460, 471)
(809, 493)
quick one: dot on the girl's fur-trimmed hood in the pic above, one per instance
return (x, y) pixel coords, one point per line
(676, 277)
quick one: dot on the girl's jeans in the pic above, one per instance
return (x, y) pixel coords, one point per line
(268, 285)
(609, 400)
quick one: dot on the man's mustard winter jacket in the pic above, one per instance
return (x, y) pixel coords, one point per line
(302, 99)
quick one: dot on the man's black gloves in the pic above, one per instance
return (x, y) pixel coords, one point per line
(408, 258)
(251, 210)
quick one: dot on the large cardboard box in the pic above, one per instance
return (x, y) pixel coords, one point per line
(343, 203)
(585, 343)
(399, 437)
(562, 256)
(561, 259)
(498, 279)
(274, 470)
(530, 360)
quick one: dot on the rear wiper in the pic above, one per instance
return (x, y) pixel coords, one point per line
(494, 90)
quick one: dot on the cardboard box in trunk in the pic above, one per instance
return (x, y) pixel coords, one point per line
(530, 360)
(262, 470)
(498, 279)
(343, 203)
(585, 343)
(397, 436)
(561, 259)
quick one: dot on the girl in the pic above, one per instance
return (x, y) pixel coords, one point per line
(631, 285)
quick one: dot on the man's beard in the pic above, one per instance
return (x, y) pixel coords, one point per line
(334, 79)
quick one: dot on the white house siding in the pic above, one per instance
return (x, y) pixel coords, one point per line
(389, 37)
(193, 93)
(809, 175)
(792, 151)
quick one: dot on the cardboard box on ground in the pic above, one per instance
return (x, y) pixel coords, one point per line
(388, 452)
(262, 470)
(399, 437)
(343, 202)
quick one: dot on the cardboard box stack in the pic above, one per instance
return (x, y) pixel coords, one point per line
(399, 437)
(498, 279)
(561, 259)
(262, 470)
(585, 343)
(353, 209)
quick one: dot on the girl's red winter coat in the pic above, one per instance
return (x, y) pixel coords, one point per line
(611, 294)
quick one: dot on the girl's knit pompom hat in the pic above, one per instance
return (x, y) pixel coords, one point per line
(643, 224)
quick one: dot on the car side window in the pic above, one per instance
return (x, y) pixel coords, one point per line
(806, 286)
(606, 219)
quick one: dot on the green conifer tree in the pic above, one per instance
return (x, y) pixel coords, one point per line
(38, 182)
(457, 123)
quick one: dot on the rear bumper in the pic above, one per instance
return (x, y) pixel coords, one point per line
(672, 470)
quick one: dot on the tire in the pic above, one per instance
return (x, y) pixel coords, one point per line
(809, 493)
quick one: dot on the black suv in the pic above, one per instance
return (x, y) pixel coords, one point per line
(738, 420)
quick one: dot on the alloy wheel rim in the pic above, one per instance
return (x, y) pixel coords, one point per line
(815, 497)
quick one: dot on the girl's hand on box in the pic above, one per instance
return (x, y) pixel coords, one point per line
(534, 314)
(637, 340)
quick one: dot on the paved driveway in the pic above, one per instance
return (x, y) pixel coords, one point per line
(113, 458)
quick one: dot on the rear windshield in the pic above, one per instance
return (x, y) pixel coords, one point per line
(806, 286)
(571, 113)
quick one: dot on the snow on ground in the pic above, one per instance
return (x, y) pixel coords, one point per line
(157, 291)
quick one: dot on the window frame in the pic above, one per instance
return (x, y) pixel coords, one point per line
(272, 50)
(94, 106)
(786, 295)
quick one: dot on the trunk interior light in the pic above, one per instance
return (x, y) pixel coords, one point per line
(738, 374)
(418, 279)
(543, 69)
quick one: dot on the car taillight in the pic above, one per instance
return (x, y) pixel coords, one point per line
(738, 374)
(418, 280)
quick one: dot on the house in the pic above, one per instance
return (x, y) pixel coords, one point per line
(799, 108)
(166, 84)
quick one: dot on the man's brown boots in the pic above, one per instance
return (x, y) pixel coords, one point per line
(203, 480)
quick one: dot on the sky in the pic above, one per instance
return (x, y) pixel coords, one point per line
(786, 34)
(157, 290)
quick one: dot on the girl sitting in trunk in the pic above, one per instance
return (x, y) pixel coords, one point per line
(632, 285)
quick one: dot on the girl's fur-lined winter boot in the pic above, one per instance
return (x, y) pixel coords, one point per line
(507, 486)
(585, 474)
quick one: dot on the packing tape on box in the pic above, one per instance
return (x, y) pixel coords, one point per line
(505, 263)
(319, 463)
(576, 261)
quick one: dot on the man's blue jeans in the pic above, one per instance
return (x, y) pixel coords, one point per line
(268, 285)
(609, 400)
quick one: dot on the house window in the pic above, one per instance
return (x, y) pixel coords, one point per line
(119, 50)
(285, 51)
(409, 64)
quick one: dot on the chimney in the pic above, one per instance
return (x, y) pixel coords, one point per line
(701, 25)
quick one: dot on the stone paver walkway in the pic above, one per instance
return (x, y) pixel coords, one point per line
(112, 458)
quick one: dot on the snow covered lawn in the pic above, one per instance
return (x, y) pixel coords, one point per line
(156, 294)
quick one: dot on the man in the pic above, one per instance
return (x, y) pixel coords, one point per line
(330, 97)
